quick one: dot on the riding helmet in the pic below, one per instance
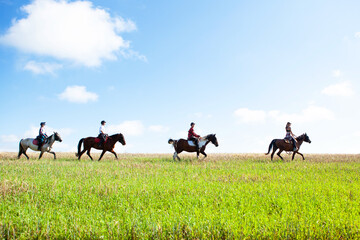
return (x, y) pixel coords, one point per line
(42, 123)
(103, 121)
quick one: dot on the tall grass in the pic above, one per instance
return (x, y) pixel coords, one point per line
(151, 196)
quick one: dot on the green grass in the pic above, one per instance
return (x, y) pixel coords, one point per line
(153, 197)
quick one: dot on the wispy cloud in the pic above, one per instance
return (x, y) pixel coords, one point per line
(131, 128)
(9, 138)
(343, 89)
(250, 116)
(336, 73)
(75, 31)
(310, 114)
(77, 94)
(42, 67)
(158, 128)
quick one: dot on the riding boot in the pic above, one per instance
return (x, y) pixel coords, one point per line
(294, 145)
(197, 145)
(39, 146)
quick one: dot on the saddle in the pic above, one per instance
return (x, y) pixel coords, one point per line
(36, 141)
(288, 141)
(97, 140)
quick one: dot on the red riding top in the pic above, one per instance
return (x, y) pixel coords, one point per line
(192, 133)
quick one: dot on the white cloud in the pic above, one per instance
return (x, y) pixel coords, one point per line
(357, 35)
(122, 25)
(130, 128)
(9, 138)
(249, 116)
(78, 94)
(343, 89)
(158, 128)
(309, 114)
(336, 73)
(42, 67)
(75, 31)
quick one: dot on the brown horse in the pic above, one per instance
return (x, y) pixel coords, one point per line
(183, 145)
(285, 146)
(109, 145)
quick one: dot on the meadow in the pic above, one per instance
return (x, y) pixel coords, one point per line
(150, 196)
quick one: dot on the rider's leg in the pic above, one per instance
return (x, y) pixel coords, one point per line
(294, 144)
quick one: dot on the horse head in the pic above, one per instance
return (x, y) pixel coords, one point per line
(57, 137)
(212, 138)
(121, 139)
(306, 138)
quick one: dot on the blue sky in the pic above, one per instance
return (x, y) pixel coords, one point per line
(240, 69)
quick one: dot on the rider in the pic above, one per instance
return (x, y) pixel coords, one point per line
(102, 134)
(42, 135)
(290, 136)
(193, 136)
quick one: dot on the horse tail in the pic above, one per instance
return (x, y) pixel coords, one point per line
(270, 146)
(79, 147)
(20, 148)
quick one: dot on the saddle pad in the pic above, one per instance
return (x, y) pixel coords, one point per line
(35, 142)
(97, 140)
(201, 143)
(287, 141)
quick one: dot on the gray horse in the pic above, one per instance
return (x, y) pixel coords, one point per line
(28, 143)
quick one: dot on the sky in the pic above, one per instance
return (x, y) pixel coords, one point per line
(240, 69)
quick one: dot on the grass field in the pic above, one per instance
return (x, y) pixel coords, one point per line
(227, 196)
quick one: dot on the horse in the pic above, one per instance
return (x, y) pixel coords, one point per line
(92, 142)
(24, 144)
(189, 146)
(287, 146)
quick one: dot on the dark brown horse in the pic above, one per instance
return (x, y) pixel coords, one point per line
(91, 142)
(282, 145)
(183, 145)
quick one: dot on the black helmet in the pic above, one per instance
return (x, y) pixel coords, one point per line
(42, 123)
(103, 121)
(192, 123)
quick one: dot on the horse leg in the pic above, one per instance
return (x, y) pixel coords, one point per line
(293, 156)
(203, 153)
(41, 154)
(24, 152)
(279, 152)
(88, 153)
(273, 152)
(301, 155)
(102, 154)
(53, 153)
(81, 153)
(176, 156)
(113, 152)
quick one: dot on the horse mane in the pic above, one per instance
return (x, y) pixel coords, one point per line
(114, 135)
(301, 136)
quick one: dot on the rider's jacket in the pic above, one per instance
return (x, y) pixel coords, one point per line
(192, 134)
(42, 132)
(102, 129)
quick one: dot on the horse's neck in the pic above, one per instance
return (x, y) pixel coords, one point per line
(52, 140)
(300, 141)
(207, 142)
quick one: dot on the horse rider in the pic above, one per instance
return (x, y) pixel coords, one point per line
(290, 136)
(42, 135)
(193, 136)
(102, 134)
